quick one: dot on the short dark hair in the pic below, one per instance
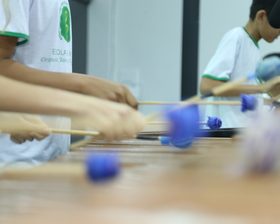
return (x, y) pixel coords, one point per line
(272, 54)
(258, 5)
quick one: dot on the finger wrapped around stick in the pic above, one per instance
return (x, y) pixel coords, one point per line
(23, 127)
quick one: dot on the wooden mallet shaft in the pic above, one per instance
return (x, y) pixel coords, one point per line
(214, 92)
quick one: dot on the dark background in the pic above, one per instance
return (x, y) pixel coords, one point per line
(79, 33)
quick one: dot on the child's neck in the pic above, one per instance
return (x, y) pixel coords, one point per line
(252, 30)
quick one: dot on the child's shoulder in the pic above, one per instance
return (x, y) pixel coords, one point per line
(236, 32)
(234, 35)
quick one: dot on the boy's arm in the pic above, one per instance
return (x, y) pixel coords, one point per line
(208, 84)
(111, 119)
(72, 82)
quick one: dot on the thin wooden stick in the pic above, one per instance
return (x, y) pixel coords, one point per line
(157, 122)
(212, 138)
(214, 92)
(82, 143)
(74, 132)
(97, 134)
(163, 122)
(199, 103)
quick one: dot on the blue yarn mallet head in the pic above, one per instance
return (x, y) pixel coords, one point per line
(184, 125)
(214, 123)
(268, 68)
(165, 140)
(249, 102)
(102, 167)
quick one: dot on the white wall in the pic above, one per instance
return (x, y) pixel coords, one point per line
(216, 18)
(138, 43)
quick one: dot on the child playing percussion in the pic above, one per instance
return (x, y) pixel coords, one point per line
(238, 55)
(111, 119)
(36, 48)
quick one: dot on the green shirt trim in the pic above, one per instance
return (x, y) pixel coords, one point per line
(215, 78)
(255, 42)
(19, 35)
(260, 81)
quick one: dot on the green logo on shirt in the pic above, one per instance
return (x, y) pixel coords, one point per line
(65, 23)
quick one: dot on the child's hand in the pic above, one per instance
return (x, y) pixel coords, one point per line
(108, 90)
(112, 120)
(23, 127)
(275, 90)
(272, 87)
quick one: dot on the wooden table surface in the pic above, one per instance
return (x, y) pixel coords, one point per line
(157, 184)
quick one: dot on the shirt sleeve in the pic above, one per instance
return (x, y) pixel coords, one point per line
(222, 63)
(18, 24)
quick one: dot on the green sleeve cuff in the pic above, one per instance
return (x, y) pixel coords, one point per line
(215, 78)
(19, 35)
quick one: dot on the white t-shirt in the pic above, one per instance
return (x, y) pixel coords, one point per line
(237, 56)
(45, 43)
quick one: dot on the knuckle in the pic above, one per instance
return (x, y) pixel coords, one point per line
(112, 96)
(125, 111)
(120, 90)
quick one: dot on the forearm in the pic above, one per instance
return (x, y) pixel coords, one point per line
(17, 71)
(27, 98)
(242, 89)
(74, 82)
(207, 85)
